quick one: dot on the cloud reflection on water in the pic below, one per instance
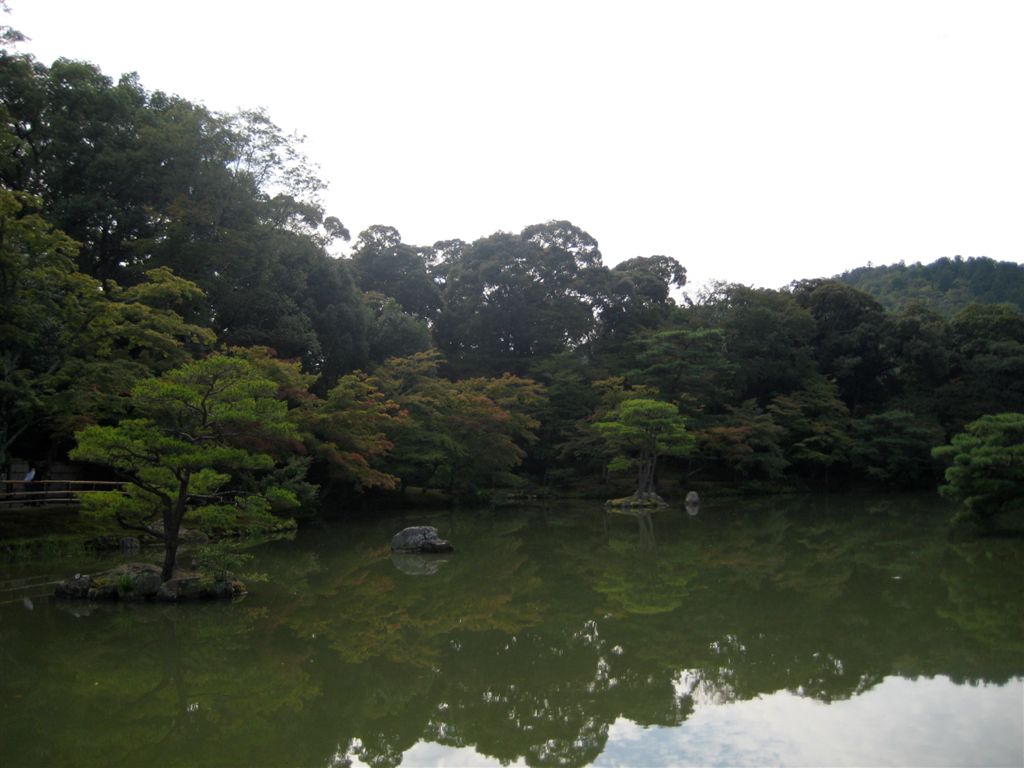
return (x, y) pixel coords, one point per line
(900, 722)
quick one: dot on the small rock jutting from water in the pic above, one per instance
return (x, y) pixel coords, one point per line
(420, 539)
(692, 502)
(136, 582)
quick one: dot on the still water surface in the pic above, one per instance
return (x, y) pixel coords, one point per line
(808, 631)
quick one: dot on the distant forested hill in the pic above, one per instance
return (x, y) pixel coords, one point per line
(946, 286)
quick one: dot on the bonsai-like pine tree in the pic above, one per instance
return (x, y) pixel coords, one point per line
(196, 428)
(640, 430)
(987, 473)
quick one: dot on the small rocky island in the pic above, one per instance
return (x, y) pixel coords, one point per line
(137, 582)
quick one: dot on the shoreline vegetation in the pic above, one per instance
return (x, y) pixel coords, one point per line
(172, 317)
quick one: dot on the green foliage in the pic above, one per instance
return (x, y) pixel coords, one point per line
(894, 448)
(222, 559)
(637, 296)
(849, 340)
(139, 230)
(746, 440)
(569, 401)
(36, 276)
(197, 428)
(766, 340)
(391, 331)
(945, 286)
(72, 348)
(348, 431)
(919, 341)
(384, 264)
(640, 430)
(987, 471)
(987, 364)
(465, 436)
(815, 424)
(228, 201)
(509, 299)
(687, 366)
(586, 447)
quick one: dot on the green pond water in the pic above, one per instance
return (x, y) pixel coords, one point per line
(785, 631)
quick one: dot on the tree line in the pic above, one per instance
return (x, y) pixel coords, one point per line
(172, 309)
(946, 285)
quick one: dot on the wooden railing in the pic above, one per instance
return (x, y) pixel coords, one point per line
(35, 493)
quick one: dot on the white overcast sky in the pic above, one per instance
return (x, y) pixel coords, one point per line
(757, 142)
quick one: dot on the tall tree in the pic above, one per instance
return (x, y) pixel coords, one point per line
(384, 264)
(391, 331)
(689, 366)
(921, 348)
(986, 365)
(767, 338)
(849, 342)
(510, 299)
(73, 347)
(638, 295)
(227, 201)
(36, 278)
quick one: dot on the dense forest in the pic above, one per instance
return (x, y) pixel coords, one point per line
(172, 312)
(946, 285)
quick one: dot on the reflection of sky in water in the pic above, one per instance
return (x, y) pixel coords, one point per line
(899, 722)
(926, 722)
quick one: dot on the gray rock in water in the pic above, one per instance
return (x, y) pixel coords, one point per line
(420, 539)
(76, 587)
(692, 503)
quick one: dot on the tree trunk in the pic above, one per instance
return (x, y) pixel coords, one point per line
(170, 555)
(173, 516)
(645, 474)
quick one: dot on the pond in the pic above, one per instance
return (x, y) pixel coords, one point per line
(787, 631)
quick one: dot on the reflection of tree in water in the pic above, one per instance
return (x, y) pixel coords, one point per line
(731, 608)
(162, 687)
(366, 608)
(549, 698)
(822, 605)
(464, 661)
(632, 573)
(982, 579)
(529, 643)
